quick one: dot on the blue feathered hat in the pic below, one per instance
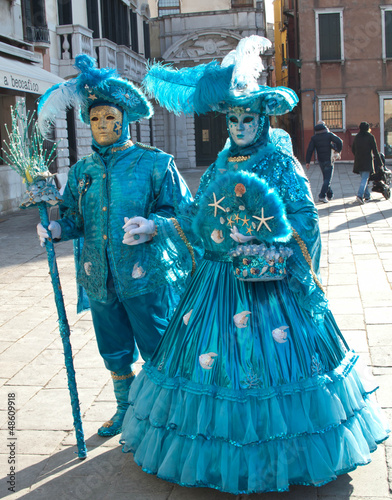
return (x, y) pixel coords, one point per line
(91, 87)
(219, 87)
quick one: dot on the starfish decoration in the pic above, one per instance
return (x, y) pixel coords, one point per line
(236, 218)
(92, 97)
(230, 221)
(263, 220)
(117, 128)
(216, 204)
(245, 220)
(249, 230)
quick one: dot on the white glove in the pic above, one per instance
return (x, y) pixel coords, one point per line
(239, 237)
(55, 229)
(138, 230)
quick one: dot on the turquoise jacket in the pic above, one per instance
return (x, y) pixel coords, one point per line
(130, 181)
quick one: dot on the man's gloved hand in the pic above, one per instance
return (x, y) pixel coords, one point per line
(238, 237)
(54, 227)
(138, 230)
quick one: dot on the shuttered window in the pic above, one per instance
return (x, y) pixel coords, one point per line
(329, 36)
(388, 33)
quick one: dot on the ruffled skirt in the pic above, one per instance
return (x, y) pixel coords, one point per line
(248, 393)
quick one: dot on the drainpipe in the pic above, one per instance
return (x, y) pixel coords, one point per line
(313, 102)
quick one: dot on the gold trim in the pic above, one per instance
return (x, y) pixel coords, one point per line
(234, 159)
(109, 423)
(121, 377)
(122, 148)
(307, 257)
(146, 146)
(185, 240)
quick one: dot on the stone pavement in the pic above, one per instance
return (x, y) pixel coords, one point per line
(356, 267)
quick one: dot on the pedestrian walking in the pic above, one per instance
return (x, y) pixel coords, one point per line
(323, 141)
(252, 387)
(133, 283)
(366, 158)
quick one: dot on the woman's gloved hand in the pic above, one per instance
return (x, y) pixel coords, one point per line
(138, 230)
(55, 229)
(239, 237)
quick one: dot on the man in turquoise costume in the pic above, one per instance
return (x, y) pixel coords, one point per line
(133, 282)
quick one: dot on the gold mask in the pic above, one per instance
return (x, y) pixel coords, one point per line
(106, 124)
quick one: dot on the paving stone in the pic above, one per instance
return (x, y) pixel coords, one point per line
(378, 315)
(85, 378)
(342, 291)
(346, 305)
(350, 321)
(369, 481)
(357, 340)
(379, 335)
(381, 356)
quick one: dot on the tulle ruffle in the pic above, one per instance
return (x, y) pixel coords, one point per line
(260, 442)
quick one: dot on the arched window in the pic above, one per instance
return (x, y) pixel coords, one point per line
(168, 7)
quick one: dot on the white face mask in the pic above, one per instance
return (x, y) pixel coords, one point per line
(243, 127)
(106, 124)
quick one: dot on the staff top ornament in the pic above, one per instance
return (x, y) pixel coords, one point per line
(25, 153)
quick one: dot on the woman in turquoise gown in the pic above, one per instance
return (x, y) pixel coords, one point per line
(252, 387)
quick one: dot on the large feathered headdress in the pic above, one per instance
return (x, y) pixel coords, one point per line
(215, 86)
(91, 87)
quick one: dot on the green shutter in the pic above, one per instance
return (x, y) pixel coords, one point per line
(388, 33)
(329, 37)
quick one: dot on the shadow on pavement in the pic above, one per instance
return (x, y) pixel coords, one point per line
(111, 474)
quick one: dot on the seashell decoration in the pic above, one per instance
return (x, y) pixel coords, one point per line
(186, 317)
(138, 271)
(87, 268)
(241, 319)
(217, 236)
(207, 360)
(280, 334)
(222, 220)
(239, 189)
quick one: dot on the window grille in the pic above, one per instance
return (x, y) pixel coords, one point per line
(241, 3)
(168, 7)
(332, 114)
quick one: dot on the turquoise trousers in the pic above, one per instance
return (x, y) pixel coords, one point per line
(123, 329)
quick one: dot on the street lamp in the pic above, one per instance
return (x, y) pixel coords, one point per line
(285, 63)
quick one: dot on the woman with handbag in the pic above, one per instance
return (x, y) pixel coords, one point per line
(252, 387)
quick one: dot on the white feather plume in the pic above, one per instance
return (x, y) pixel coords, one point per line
(60, 98)
(247, 63)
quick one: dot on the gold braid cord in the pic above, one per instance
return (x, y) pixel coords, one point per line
(121, 377)
(307, 257)
(185, 240)
(234, 159)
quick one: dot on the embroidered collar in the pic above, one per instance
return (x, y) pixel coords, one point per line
(125, 146)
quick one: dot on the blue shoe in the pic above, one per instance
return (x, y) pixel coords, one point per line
(121, 384)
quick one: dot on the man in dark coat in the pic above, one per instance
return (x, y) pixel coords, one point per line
(365, 154)
(322, 142)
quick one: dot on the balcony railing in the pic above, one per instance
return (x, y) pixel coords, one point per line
(37, 34)
(75, 39)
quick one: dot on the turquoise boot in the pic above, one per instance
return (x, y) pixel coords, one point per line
(121, 384)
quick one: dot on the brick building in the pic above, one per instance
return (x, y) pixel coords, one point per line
(339, 59)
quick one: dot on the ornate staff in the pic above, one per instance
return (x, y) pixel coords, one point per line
(27, 156)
